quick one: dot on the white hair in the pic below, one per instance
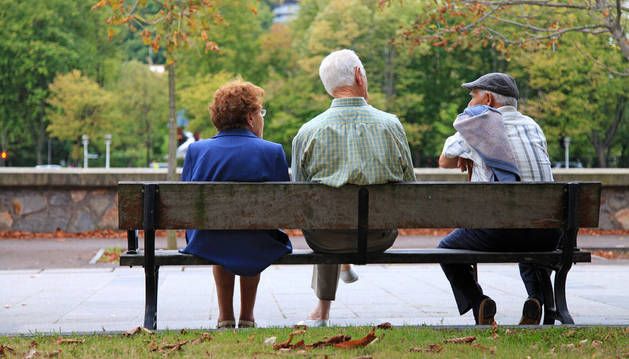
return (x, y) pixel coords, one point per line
(502, 99)
(338, 68)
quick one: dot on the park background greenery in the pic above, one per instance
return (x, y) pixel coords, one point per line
(65, 73)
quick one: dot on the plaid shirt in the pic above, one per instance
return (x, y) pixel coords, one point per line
(527, 142)
(352, 143)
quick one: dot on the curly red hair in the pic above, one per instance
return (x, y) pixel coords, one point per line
(233, 102)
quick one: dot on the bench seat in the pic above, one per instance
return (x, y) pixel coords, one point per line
(397, 256)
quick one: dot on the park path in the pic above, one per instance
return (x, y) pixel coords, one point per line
(83, 299)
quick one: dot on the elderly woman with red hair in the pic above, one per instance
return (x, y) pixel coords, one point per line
(237, 154)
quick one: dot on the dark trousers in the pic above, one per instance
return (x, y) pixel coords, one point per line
(465, 287)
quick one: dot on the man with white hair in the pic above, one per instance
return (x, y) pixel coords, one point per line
(525, 141)
(349, 143)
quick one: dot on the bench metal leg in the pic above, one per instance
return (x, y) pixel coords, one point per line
(132, 241)
(563, 315)
(150, 269)
(150, 306)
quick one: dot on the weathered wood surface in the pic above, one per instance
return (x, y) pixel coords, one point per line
(437, 255)
(189, 205)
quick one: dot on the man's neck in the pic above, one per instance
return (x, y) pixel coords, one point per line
(345, 92)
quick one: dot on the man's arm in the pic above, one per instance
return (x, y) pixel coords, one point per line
(296, 153)
(447, 162)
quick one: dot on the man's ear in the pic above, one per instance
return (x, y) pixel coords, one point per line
(358, 77)
(489, 99)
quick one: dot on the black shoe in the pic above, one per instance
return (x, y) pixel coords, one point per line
(486, 312)
(531, 312)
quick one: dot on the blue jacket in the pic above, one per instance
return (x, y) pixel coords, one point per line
(236, 155)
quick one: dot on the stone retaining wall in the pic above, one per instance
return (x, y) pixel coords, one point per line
(77, 200)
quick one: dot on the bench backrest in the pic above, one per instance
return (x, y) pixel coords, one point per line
(204, 205)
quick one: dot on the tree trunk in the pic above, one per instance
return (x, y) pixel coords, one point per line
(172, 142)
(41, 134)
(389, 72)
(602, 146)
(601, 156)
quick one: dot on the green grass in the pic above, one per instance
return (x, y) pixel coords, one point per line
(393, 343)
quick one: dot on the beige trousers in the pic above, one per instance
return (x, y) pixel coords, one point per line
(325, 277)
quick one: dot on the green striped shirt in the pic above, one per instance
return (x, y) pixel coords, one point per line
(352, 143)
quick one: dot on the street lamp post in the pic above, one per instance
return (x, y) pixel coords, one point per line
(107, 145)
(566, 143)
(86, 141)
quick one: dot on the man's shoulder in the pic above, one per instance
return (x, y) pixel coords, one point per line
(389, 120)
(313, 125)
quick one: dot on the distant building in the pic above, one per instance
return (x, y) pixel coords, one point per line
(286, 11)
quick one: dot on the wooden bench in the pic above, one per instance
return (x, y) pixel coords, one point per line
(201, 205)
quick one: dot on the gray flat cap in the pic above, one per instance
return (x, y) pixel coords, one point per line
(497, 82)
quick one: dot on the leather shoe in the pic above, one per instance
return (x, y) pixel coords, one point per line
(531, 312)
(486, 312)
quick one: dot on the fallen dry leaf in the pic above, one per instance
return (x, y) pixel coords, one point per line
(70, 341)
(298, 332)
(461, 340)
(385, 325)
(4, 349)
(596, 343)
(285, 344)
(205, 337)
(300, 326)
(331, 341)
(177, 345)
(135, 331)
(371, 336)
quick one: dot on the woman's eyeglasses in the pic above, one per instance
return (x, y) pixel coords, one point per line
(263, 112)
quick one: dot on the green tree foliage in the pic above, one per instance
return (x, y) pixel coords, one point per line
(416, 53)
(572, 93)
(39, 40)
(78, 106)
(140, 116)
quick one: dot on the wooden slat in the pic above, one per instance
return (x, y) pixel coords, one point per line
(478, 205)
(173, 257)
(130, 205)
(246, 206)
(589, 204)
(309, 206)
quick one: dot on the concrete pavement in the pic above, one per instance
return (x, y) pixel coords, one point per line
(69, 300)
(48, 285)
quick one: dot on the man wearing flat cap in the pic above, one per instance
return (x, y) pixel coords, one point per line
(495, 142)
